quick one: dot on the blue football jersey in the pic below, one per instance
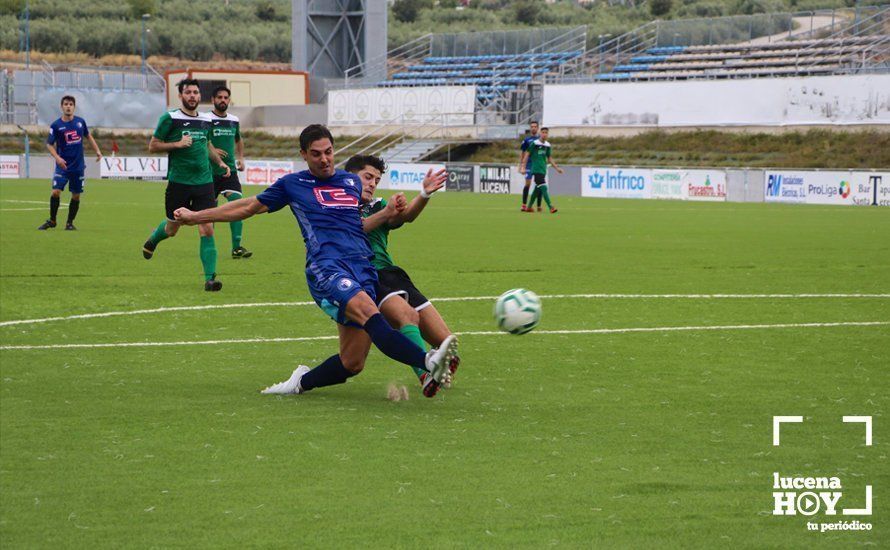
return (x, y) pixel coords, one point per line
(68, 139)
(327, 211)
(526, 142)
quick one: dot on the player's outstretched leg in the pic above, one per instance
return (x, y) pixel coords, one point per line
(435, 331)
(336, 369)
(237, 229)
(158, 235)
(400, 314)
(361, 310)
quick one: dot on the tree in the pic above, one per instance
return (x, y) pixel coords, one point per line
(407, 11)
(265, 11)
(139, 7)
(660, 7)
(527, 12)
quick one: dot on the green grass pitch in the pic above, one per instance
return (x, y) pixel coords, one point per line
(634, 440)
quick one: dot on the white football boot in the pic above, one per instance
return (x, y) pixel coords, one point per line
(291, 385)
(438, 361)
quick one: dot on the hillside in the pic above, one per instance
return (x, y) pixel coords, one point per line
(812, 149)
(260, 30)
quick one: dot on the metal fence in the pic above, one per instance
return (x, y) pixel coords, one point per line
(22, 88)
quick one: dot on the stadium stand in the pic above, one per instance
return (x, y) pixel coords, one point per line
(492, 74)
(797, 58)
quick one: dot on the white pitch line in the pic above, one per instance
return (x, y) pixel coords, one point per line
(449, 299)
(468, 333)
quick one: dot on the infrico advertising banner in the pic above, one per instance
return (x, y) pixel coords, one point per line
(9, 166)
(264, 172)
(407, 177)
(834, 188)
(618, 183)
(133, 168)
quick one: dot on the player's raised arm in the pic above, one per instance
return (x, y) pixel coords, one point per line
(431, 183)
(240, 209)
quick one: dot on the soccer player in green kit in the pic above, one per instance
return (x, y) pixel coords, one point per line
(225, 137)
(184, 135)
(400, 302)
(538, 153)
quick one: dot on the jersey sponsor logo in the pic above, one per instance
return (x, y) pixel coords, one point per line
(72, 137)
(334, 197)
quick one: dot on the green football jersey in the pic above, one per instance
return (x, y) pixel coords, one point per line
(538, 154)
(223, 135)
(189, 166)
(379, 237)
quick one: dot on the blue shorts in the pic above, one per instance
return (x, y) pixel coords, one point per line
(61, 179)
(528, 174)
(333, 283)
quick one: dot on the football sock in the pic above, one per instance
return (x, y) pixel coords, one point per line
(412, 332)
(159, 234)
(236, 227)
(53, 207)
(546, 195)
(540, 191)
(393, 343)
(329, 373)
(73, 207)
(208, 256)
(525, 195)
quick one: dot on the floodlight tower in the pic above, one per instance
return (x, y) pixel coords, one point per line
(331, 36)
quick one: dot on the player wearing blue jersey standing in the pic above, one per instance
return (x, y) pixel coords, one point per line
(341, 279)
(533, 135)
(65, 144)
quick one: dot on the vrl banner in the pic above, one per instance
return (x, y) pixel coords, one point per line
(133, 168)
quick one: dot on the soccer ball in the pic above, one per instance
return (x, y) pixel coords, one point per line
(517, 311)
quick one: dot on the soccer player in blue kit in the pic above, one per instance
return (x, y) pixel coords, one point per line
(65, 144)
(341, 279)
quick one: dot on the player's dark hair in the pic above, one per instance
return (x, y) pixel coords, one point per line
(314, 132)
(219, 89)
(357, 162)
(545, 128)
(186, 82)
(68, 98)
(533, 122)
